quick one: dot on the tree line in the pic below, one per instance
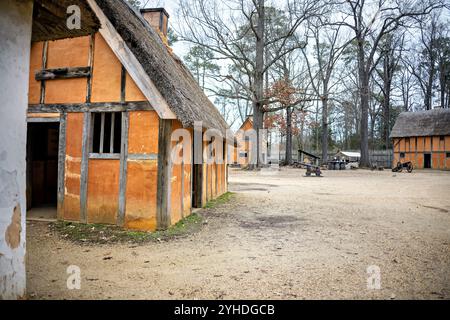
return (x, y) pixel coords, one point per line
(326, 74)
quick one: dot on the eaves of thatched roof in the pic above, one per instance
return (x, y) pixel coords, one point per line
(171, 77)
(422, 124)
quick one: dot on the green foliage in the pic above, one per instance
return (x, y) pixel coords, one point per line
(219, 201)
(172, 37)
(200, 61)
(106, 234)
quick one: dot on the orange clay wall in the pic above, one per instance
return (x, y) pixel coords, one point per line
(142, 175)
(74, 132)
(103, 175)
(106, 79)
(414, 149)
(181, 183)
(34, 87)
(214, 179)
(103, 191)
(245, 145)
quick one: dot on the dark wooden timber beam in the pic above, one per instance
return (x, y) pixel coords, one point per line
(85, 168)
(61, 165)
(123, 179)
(90, 107)
(164, 175)
(63, 73)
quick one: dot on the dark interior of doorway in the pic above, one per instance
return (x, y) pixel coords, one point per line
(42, 165)
(427, 161)
(197, 184)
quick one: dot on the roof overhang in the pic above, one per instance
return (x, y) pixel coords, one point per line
(50, 20)
(131, 64)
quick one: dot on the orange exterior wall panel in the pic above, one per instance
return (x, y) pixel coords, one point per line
(34, 95)
(132, 91)
(107, 76)
(435, 161)
(413, 159)
(427, 144)
(103, 191)
(74, 133)
(142, 178)
(419, 161)
(441, 160)
(447, 143)
(187, 201)
(65, 53)
(176, 195)
(420, 144)
(142, 174)
(143, 132)
(65, 91)
(396, 145)
(402, 145)
(413, 146)
(436, 143)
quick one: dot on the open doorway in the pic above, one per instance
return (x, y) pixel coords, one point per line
(42, 170)
(427, 161)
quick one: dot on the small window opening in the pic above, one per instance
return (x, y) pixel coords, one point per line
(106, 132)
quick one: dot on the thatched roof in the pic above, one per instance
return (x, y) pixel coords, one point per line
(50, 20)
(175, 82)
(422, 124)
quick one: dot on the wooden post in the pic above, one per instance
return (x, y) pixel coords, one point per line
(182, 186)
(164, 174)
(85, 167)
(91, 67)
(123, 84)
(123, 169)
(44, 66)
(61, 165)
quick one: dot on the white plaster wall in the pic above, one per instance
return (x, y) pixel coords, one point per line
(15, 40)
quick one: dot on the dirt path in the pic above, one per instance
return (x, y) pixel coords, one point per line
(283, 236)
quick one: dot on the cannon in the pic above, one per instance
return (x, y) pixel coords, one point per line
(404, 165)
(310, 170)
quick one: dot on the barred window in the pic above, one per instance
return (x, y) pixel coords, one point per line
(106, 132)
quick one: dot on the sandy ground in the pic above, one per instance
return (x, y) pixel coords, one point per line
(283, 236)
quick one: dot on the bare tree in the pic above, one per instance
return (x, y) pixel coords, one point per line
(240, 36)
(390, 57)
(423, 63)
(372, 21)
(328, 48)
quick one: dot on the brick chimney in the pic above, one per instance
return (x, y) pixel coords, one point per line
(158, 18)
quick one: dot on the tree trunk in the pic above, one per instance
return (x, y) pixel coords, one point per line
(386, 114)
(288, 160)
(429, 89)
(325, 130)
(442, 83)
(258, 104)
(364, 96)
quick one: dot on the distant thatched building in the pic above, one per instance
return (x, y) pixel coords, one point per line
(423, 138)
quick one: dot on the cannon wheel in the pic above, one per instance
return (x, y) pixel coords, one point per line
(399, 167)
(410, 167)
